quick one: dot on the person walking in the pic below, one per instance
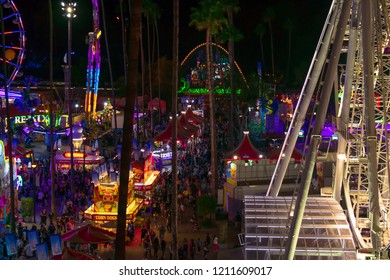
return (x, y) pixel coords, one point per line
(215, 243)
(156, 247)
(205, 251)
(192, 249)
(43, 216)
(199, 245)
(208, 239)
(163, 245)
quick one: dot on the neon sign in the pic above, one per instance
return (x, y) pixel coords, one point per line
(204, 91)
(36, 118)
(75, 154)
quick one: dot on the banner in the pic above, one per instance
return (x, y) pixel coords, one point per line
(42, 251)
(10, 242)
(33, 239)
(56, 245)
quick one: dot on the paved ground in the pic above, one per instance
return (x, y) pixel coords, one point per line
(229, 244)
(227, 233)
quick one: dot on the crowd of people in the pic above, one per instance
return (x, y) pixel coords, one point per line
(74, 194)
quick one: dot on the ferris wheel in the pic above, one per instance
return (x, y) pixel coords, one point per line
(15, 40)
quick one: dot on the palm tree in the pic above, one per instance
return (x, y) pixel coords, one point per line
(150, 11)
(209, 17)
(175, 80)
(268, 17)
(52, 120)
(111, 75)
(133, 55)
(158, 70)
(289, 26)
(260, 31)
(232, 35)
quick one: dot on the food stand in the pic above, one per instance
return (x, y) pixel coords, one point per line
(80, 160)
(105, 206)
(145, 177)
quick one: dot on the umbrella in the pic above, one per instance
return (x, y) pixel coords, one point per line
(70, 254)
(88, 234)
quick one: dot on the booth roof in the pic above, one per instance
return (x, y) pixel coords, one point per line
(188, 126)
(274, 155)
(166, 135)
(190, 116)
(13, 111)
(19, 151)
(245, 150)
(59, 158)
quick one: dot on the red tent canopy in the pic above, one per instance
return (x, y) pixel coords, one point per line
(166, 135)
(157, 103)
(245, 150)
(192, 129)
(193, 118)
(70, 254)
(88, 234)
(19, 151)
(274, 155)
(13, 111)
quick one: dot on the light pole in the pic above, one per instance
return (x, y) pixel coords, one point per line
(33, 185)
(84, 139)
(69, 9)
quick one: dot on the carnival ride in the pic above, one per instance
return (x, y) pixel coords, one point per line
(353, 45)
(15, 44)
(196, 78)
(93, 68)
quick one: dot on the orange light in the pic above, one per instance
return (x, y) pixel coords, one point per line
(75, 155)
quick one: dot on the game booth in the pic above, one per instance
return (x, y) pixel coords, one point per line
(105, 206)
(23, 156)
(163, 160)
(145, 177)
(142, 180)
(80, 160)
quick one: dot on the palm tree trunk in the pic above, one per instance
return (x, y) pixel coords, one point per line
(158, 71)
(142, 83)
(232, 141)
(52, 120)
(288, 57)
(123, 41)
(213, 140)
(272, 55)
(133, 55)
(150, 76)
(175, 67)
(111, 78)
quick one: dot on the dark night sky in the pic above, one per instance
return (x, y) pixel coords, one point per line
(308, 15)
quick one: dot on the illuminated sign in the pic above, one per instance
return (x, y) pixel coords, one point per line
(162, 154)
(75, 155)
(104, 218)
(36, 118)
(109, 217)
(204, 91)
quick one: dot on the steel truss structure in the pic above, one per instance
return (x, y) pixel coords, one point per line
(352, 62)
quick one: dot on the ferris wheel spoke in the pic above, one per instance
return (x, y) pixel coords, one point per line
(10, 16)
(9, 62)
(12, 32)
